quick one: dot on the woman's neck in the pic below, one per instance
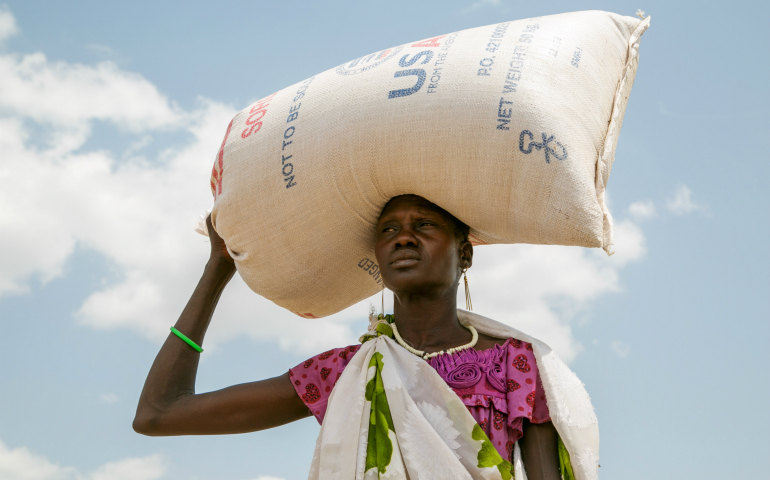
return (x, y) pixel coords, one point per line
(429, 323)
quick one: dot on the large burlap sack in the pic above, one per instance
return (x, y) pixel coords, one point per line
(510, 127)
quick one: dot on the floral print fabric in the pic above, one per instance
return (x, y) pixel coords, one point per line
(499, 386)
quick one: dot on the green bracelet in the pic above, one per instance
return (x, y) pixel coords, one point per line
(186, 340)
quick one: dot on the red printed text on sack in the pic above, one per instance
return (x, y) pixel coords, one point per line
(217, 170)
(430, 42)
(256, 114)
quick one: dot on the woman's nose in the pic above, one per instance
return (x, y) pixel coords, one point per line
(406, 238)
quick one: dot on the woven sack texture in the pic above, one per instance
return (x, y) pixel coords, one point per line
(511, 127)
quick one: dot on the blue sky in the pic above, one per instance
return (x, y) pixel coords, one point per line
(111, 114)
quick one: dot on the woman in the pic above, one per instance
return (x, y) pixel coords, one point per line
(421, 250)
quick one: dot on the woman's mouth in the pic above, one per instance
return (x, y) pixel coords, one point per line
(404, 259)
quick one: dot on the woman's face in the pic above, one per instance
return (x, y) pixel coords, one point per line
(417, 248)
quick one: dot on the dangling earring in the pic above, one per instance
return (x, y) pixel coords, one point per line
(383, 303)
(468, 303)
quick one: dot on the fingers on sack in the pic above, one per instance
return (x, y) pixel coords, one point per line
(212, 232)
(218, 246)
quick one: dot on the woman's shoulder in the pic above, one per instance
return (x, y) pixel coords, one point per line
(333, 356)
(519, 344)
(486, 342)
(315, 378)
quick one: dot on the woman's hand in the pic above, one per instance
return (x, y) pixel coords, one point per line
(218, 248)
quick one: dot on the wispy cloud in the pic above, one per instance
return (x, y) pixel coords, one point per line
(621, 349)
(104, 52)
(100, 49)
(682, 203)
(108, 398)
(481, 3)
(8, 27)
(642, 210)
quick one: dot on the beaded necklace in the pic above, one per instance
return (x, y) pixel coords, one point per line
(426, 356)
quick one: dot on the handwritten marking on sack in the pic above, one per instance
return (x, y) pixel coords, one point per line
(495, 40)
(516, 65)
(371, 268)
(368, 62)
(435, 77)
(576, 57)
(548, 140)
(256, 114)
(287, 168)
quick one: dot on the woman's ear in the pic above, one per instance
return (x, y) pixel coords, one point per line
(466, 254)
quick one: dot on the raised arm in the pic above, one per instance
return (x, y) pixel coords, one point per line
(169, 405)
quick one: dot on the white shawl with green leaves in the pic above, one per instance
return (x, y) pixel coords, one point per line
(392, 416)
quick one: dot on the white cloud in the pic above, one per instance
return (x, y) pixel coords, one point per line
(63, 197)
(642, 210)
(144, 468)
(621, 349)
(139, 213)
(69, 95)
(540, 289)
(21, 464)
(630, 244)
(8, 26)
(682, 202)
(108, 398)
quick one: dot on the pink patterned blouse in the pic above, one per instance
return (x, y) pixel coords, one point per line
(500, 386)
